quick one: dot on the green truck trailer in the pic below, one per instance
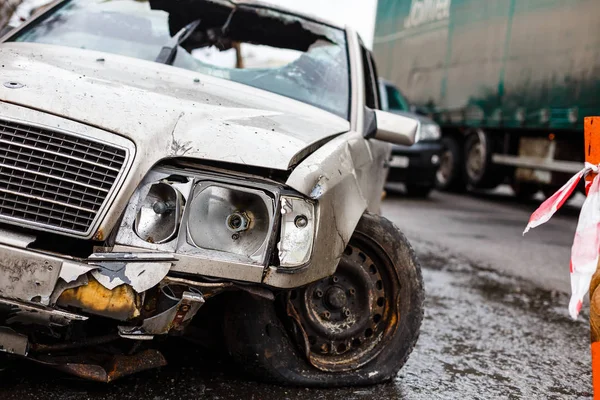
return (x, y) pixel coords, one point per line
(509, 82)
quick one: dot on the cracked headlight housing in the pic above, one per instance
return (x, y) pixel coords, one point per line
(429, 132)
(159, 214)
(297, 231)
(229, 219)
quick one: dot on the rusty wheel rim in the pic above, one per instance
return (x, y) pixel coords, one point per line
(345, 320)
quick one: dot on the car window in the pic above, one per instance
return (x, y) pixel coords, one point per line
(266, 49)
(396, 102)
(370, 79)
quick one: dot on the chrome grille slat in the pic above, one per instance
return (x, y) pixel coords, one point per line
(63, 146)
(41, 199)
(81, 160)
(59, 216)
(15, 161)
(54, 179)
(12, 179)
(32, 190)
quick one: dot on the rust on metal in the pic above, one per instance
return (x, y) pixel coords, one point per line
(99, 236)
(342, 321)
(109, 368)
(121, 303)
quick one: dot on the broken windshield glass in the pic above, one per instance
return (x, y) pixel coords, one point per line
(260, 47)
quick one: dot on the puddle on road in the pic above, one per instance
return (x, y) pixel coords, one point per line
(484, 336)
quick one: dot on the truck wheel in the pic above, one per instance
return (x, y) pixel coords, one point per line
(449, 176)
(357, 327)
(479, 170)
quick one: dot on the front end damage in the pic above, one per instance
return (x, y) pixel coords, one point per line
(185, 237)
(115, 231)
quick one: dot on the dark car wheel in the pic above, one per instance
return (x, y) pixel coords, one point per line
(449, 176)
(357, 327)
(418, 191)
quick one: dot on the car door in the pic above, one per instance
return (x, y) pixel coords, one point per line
(380, 151)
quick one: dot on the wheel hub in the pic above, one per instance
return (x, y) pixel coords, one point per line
(476, 156)
(336, 298)
(344, 317)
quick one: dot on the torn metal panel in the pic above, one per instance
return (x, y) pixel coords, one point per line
(71, 271)
(140, 276)
(173, 318)
(27, 276)
(141, 271)
(12, 342)
(33, 314)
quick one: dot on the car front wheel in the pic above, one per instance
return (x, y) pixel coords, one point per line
(357, 327)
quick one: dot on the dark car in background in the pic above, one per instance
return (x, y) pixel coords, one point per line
(415, 166)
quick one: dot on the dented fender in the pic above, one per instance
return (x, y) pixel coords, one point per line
(336, 177)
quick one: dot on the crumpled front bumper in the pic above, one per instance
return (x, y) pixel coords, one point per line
(43, 289)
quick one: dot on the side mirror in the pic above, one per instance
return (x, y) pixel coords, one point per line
(395, 129)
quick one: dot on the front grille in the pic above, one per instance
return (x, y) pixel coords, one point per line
(54, 179)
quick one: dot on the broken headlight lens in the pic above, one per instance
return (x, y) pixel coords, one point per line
(159, 215)
(297, 231)
(230, 219)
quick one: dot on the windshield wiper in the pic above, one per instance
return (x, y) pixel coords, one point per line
(167, 53)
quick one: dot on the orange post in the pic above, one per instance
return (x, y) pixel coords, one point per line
(592, 155)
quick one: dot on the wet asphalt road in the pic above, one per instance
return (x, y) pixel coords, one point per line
(488, 332)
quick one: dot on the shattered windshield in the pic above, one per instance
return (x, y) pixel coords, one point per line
(259, 47)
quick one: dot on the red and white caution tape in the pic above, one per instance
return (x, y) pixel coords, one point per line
(586, 244)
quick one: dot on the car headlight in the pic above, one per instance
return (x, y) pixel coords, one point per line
(159, 214)
(229, 219)
(219, 217)
(429, 132)
(297, 231)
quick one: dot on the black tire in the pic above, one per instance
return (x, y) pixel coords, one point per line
(418, 191)
(480, 172)
(450, 175)
(260, 336)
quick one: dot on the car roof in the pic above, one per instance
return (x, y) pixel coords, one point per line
(276, 7)
(264, 5)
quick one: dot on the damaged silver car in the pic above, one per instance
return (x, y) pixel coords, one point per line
(209, 164)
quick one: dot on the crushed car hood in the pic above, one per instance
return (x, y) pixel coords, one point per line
(166, 111)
